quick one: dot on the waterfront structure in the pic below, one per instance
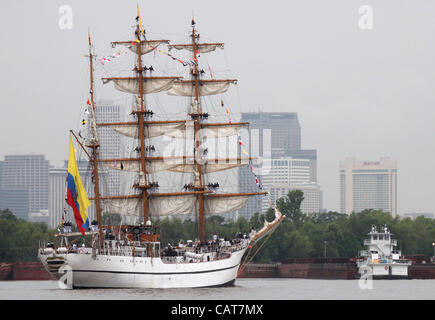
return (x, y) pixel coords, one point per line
(26, 172)
(368, 185)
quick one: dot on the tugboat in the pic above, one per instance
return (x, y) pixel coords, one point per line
(381, 260)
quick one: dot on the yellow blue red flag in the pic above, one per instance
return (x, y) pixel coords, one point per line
(76, 195)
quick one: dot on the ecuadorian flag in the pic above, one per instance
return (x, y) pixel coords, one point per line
(76, 193)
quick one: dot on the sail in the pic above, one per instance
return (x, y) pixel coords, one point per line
(124, 206)
(157, 206)
(164, 206)
(146, 46)
(201, 47)
(183, 164)
(215, 130)
(135, 165)
(214, 165)
(213, 205)
(150, 84)
(183, 129)
(205, 87)
(151, 130)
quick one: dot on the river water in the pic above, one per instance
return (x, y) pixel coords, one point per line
(244, 289)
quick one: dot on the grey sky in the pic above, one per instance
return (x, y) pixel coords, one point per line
(362, 93)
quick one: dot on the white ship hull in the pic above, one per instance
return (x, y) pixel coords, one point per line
(106, 271)
(385, 270)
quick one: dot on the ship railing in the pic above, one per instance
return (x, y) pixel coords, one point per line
(402, 261)
(394, 242)
(367, 242)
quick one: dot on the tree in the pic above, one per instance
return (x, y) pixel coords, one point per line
(290, 206)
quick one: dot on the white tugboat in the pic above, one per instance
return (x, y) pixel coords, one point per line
(381, 260)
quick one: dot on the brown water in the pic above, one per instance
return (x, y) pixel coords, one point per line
(245, 289)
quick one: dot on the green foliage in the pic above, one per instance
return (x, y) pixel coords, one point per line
(19, 239)
(298, 236)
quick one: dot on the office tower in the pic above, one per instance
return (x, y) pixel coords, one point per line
(30, 173)
(286, 174)
(106, 111)
(368, 185)
(17, 201)
(272, 135)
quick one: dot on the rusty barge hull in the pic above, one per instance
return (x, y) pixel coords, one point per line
(24, 271)
(321, 268)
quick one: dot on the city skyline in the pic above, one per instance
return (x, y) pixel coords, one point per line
(361, 93)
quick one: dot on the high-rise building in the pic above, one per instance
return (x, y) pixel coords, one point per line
(26, 172)
(368, 185)
(286, 174)
(272, 135)
(17, 201)
(110, 144)
(312, 202)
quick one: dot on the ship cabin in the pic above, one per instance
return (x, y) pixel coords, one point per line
(380, 244)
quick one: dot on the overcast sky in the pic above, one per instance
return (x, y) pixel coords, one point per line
(363, 93)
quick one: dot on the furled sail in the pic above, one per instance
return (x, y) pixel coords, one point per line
(205, 87)
(201, 47)
(146, 46)
(164, 206)
(214, 165)
(157, 206)
(214, 205)
(151, 130)
(153, 164)
(183, 129)
(150, 84)
(124, 206)
(221, 130)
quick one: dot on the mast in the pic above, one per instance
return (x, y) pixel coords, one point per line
(94, 146)
(196, 197)
(140, 114)
(196, 118)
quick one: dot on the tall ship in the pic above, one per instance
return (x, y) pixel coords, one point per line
(381, 260)
(130, 255)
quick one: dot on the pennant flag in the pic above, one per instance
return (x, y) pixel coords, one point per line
(140, 21)
(89, 103)
(244, 151)
(77, 198)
